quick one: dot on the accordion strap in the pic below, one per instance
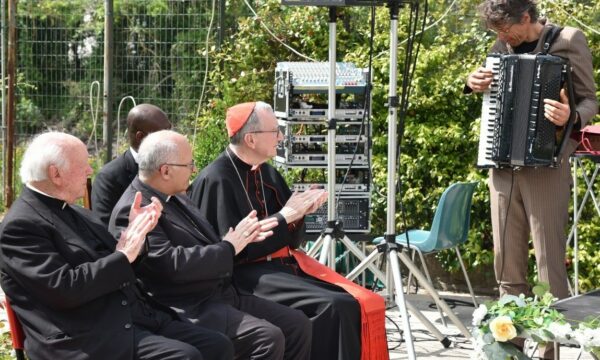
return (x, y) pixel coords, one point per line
(551, 35)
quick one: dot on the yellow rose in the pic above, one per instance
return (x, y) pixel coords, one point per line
(502, 328)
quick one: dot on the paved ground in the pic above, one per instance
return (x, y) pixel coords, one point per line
(427, 346)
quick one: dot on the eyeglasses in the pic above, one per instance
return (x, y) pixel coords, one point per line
(265, 131)
(191, 165)
(505, 30)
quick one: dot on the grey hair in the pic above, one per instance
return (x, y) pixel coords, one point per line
(157, 149)
(44, 150)
(252, 123)
(498, 13)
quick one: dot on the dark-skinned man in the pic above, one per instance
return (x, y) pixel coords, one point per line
(115, 177)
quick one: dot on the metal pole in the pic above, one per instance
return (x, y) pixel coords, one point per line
(107, 133)
(328, 250)
(3, 85)
(575, 224)
(390, 233)
(10, 111)
(221, 31)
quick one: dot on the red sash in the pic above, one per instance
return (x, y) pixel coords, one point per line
(373, 336)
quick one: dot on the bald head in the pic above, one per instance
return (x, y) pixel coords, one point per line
(144, 119)
(166, 162)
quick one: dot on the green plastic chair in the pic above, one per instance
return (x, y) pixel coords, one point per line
(449, 229)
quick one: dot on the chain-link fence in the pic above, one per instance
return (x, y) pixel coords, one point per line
(159, 56)
(158, 53)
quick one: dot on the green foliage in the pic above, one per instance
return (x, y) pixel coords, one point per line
(5, 344)
(439, 143)
(497, 322)
(440, 139)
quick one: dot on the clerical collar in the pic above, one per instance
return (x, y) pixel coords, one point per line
(53, 200)
(231, 155)
(134, 154)
(241, 164)
(160, 195)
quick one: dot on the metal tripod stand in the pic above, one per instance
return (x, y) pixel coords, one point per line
(390, 248)
(334, 232)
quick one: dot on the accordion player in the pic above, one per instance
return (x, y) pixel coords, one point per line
(513, 130)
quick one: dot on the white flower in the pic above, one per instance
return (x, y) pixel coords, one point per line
(478, 354)
(587, 338)
(479, 314)
(478, 344)
(70, 55)
(561, 331)
(86, 50)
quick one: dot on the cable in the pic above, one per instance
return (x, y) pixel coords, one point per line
(570, 15)
(119, 117)
(399, 332)
(402, 113)
(452, 303)
(258, 18)
(366, 109)
(210, 24)
(408, 73)
(428, 27)
(94, 113)
(503, 239)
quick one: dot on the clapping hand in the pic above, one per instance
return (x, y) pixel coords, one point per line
(301, 204)
(250, 229)
(154, 207)
(141, 221)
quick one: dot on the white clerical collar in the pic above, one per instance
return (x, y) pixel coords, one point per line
(231, 150)
(134, 154)
(33, 188)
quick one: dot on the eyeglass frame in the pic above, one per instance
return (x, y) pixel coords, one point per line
(191, 165)
(266, 131)
(507, 30)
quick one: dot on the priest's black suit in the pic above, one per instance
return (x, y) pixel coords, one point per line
(189, 268)
(76, 299)
(223, 198)
(110, 183)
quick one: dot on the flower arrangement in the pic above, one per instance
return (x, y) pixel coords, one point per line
(496, 323)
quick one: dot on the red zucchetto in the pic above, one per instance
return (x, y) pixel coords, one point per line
(237, 116)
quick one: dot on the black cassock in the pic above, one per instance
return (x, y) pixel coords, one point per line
(225, 196)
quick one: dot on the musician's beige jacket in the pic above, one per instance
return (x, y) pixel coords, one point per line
(570, 44)
(535, 201)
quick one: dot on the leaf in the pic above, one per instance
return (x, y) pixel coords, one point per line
(506, 299)
(538, 339)
(549, 336)
(501, 351)
(488, 338)
(540, 289)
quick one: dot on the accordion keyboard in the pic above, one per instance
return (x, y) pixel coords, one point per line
(488, 116)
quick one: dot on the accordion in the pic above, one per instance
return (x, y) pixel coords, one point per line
(514, 130)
